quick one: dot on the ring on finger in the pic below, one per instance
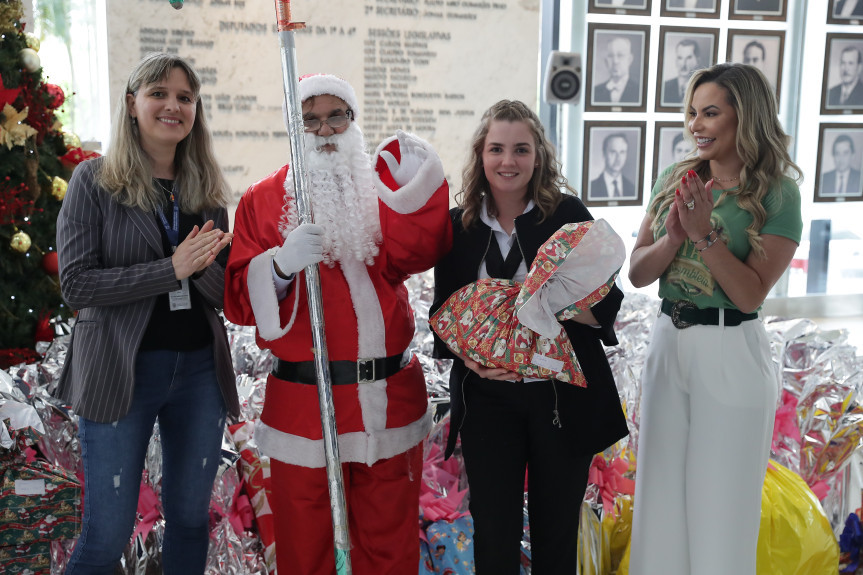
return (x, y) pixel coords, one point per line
(690, 205)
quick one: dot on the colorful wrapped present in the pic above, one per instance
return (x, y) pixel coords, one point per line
(256, 479)
(450, 545)
(26, 559)
(593, 552)
(38, 502)
(795, 537)
(426, 566)
(501, 323)
(850, 544)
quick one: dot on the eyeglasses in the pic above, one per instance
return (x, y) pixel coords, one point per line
(334, 122)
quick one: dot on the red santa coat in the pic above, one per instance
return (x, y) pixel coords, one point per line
(366, 314)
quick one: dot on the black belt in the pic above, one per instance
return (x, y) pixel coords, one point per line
(341, 372)
(684, 314)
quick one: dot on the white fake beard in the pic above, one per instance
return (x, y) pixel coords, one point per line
(344, 200)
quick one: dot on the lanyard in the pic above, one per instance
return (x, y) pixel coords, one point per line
(172, 231)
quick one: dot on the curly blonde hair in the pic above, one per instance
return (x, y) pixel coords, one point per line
(126, 171)
(761, 144)
(545, 185)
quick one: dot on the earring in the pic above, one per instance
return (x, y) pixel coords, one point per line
(134, 120)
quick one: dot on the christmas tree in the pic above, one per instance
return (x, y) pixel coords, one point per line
(36, 160)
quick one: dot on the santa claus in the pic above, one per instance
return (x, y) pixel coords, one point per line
(377, 221)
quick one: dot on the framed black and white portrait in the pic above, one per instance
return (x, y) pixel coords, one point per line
(628, 7)
(670, 146)
(763, 49)
(690, 8)
(613, 172)
(682, 51)
(617, 67)
(842, 87)
(840, 159)
(758, 10)
(845, 12)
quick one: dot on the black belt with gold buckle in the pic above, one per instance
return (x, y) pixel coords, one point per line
(686, 314)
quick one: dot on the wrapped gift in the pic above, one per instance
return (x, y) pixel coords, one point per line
(795, 537)
(850, 544)
(256, 479)
(38, 502)
(450, 545)
(26, 559)
(426, 566)
(501, 323)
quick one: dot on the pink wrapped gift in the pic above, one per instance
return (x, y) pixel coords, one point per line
(501, 323)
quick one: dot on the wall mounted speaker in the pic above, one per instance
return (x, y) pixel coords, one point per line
(562, 78)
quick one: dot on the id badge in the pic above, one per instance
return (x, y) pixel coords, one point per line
(180, 299)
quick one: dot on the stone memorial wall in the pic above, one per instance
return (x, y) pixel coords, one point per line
(430, 67)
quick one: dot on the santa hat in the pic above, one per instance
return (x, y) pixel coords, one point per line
(319, 84)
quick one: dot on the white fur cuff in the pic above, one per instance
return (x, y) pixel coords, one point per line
(262, 296)
(413, 195)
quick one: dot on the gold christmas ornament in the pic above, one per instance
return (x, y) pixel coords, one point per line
(30, 59)
(71, 140)
(13, 129)
(20, 242)
(11, 13)
(58, 188)
(32, 41)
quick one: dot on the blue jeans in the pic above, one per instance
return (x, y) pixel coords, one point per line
(181, 390)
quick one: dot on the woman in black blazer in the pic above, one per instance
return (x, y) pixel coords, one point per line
(138, 238)
(510, 204)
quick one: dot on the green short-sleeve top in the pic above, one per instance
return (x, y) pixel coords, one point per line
(688, 278)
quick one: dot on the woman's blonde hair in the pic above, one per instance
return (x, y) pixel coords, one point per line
(761, 144)
(126, 171)
(546, 182)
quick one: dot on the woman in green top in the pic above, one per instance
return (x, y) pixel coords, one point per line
(721, 228)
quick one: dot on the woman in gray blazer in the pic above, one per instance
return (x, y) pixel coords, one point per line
(140, 239)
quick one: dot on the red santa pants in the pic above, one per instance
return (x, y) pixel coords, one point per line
(383, 516)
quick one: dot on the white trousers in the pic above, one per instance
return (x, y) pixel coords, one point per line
(708, 400)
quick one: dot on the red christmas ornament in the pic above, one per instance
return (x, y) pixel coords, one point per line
(49, 263)
(16, 355)
(75, 156)
(44, 332)
(7, 95)
(56, 97)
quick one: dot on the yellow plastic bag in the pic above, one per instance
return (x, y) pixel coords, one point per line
(795, 537)
(592, 543)
(617, 528)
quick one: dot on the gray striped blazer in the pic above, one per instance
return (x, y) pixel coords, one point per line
(112, 267)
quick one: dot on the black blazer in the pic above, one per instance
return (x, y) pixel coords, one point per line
(599, 190)
(602, 95)
(671, 92)
(855, 98)
(828, 183)
(858, 9)
(591, 416)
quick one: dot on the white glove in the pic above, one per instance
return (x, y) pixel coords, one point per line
(413, 155)
(303, 247)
